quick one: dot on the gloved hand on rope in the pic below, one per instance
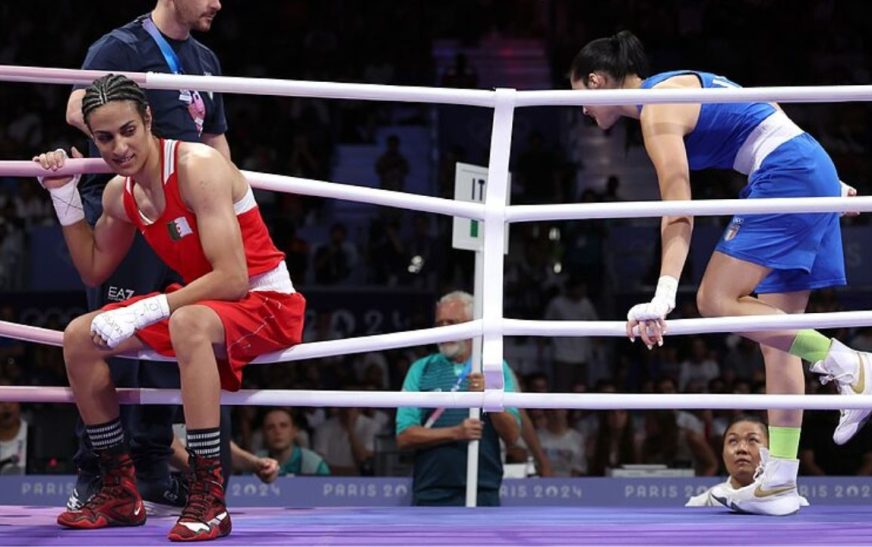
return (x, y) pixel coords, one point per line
(649, 319)
(64, 190)
(112, 327)
(848, 191)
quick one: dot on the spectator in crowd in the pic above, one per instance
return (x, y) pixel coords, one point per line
(744, 359)
(615, 443)
(440, 437)
(392, 167)
(336, 259)
(528, 446)
(563, 445)
(744, 438)
(13, 438)
(279, 433)
(698, 369)
(346, 440)
(461, 74)
(666, 443)
(572, 355)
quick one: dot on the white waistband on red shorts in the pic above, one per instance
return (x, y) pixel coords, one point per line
(276, 280)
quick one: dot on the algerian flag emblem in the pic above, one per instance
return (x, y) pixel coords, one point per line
(179, 228)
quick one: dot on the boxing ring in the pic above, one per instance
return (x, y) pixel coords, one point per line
(561, 525)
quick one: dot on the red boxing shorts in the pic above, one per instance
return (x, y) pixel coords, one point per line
(262, 322)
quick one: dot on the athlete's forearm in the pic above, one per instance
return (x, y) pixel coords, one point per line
(675, 234)
(215, 285)
(94, 267)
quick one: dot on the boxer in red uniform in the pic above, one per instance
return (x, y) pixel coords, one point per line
(197, 211)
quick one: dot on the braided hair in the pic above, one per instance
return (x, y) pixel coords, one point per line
(113, 87)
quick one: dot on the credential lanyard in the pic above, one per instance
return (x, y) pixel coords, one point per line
(439, 411)
(195, 104)
(167, 51)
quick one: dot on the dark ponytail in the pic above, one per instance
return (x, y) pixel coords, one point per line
(618, 56)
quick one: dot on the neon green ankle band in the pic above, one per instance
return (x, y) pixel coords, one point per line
(784, 442)
(810, 345)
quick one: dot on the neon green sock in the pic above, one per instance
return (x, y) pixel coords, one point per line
(784, 442)
(810, 345)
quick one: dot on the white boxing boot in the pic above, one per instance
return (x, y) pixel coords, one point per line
(773, 491)
(852, 372)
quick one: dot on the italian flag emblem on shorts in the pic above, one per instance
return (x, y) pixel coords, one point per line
(179, 228)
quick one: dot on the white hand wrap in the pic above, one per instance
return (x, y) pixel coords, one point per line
(116, 326)
(66, 199)
(846, 189)
(659, 306)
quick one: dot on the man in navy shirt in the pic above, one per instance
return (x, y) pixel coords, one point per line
(160, 41)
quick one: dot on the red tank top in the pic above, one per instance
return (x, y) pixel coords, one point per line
(175, 237)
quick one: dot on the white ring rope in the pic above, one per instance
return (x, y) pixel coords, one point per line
(281, 183)
(308, 350)
(470, 97)
(460, 399)
(704, 207)
(257, 86)
(492, 326)
(508, 327)
(513, 213)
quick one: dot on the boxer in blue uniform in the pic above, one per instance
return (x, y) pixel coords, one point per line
(160, 41)
(779, 258)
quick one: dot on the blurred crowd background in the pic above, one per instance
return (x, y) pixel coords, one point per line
(369, 270)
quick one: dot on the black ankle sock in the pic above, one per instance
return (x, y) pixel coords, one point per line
(205, 443)
(107, 437)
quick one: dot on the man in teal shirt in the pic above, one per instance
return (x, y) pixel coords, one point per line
(279, 432)
(440, 437)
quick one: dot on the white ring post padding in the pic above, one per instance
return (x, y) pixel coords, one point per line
(703, 207)
(461, 399)
(494, 247)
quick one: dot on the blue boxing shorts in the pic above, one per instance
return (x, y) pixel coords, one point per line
(804, 250)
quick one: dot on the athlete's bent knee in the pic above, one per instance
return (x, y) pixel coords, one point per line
(708, 302)
(190, 325)
(77, 340)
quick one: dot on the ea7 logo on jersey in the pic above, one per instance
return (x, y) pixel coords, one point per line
(117, 294)
(179, 228)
